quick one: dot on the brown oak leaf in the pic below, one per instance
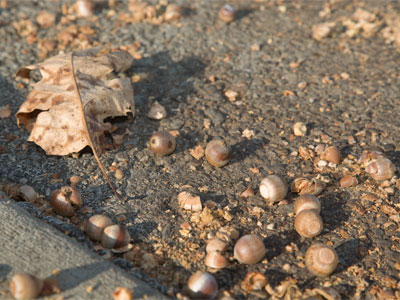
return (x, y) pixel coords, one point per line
(65, 111)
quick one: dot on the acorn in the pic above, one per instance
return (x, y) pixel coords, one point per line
(162, 143)
(202, 285)
(249, 249)
(66, 201)
(216, 245)
(215, 260)
(115, 236)
(273, 188)
(227, 13)
(321, 260)
(307, 201)
(157, 111)
(218, 153)
(308, 223)
(25, 286)
(94, 227)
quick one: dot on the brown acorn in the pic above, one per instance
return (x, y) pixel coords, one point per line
(66, 201)
(218, 153)
(321, 260)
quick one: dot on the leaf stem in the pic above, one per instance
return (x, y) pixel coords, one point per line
(88, 133)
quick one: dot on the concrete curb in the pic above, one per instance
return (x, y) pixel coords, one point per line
(32, 246)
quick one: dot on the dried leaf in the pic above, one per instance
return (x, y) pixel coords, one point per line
(65, 112)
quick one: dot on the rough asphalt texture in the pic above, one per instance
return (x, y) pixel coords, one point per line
(187, 66)
(29, 245)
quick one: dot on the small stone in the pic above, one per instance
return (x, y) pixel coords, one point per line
(121, 156)
(197, 152)
(247, 133)
(231, 95)
(75, 180)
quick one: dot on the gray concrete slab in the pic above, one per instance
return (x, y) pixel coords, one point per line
(32, 246)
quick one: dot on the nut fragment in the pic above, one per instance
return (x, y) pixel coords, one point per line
(27, 193)
(303, 185)
(231, 95)
(322, 30)
(189, 202)
(254, 281)
(197, 152)
(299, 129)
(327, 293)
(331, 154)
(348, 181)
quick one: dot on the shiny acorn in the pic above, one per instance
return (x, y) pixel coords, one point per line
(162, 143)
(94, 227)
(215, 260)
(218, 153)
(115, 236)
(307, 201)
(249, 249)
(273, 188)
(202, 285)
(66, 201)
(25, 286)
